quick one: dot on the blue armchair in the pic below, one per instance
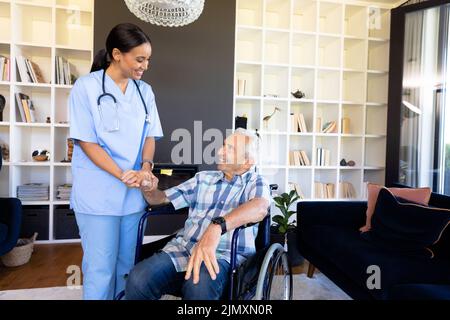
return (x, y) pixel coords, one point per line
(10, 220)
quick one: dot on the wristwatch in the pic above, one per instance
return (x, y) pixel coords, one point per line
(221, 222)
(152, 165)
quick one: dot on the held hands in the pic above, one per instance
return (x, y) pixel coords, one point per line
(140, 179)
(205, 251)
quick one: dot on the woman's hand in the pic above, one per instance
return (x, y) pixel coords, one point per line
(131, 179)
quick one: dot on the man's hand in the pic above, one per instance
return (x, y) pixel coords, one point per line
(149, 182)
(205, 251)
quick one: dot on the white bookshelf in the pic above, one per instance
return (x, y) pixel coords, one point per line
(41, 30)
(337, 53)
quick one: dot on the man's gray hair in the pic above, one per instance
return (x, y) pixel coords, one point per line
(252, 145)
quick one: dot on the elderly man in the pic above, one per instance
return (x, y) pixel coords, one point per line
(197, 261)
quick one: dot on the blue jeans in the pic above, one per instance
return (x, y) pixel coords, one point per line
(152, 278)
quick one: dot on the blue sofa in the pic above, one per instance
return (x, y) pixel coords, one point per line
(10, 220)
(328, 237)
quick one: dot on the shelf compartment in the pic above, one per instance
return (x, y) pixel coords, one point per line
(307, 109)
(79, 5)
(355, 21)
(5, 22)
(275, 176)
(41, 98)
(353, 88)
(379, 22)
(377, 88)
(355, 114)
(279, 119)
(354, 178)
(5, 50)
(276, 47)
(251, 75)
(268, 144)
(277, 14)
(330, 17)
(303, 80)
(276, 82)
(354, 54)
(60, 147)
(62, 106)
(304, 16)
(303, 50)
(375, 152)
(328, 143)
(4, 91)
(80, 61)
(376, 122)
(303, 178)
(39, 55)
(351, 149)
(25, 175)
(251, 109)
(378, 55)
(34, 24)
(325, 176)
(327, 112)
(74, 29)
(250, 13)
(249, 45)
(31, 139)
(329, 52)
(4, 182)
(61, 176)
(299, 143)
(328, 85)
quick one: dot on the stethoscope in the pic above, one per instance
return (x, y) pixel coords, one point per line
(105, 94)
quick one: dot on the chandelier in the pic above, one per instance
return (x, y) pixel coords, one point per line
(166, 13)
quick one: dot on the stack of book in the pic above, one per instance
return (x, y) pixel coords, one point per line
(329, 127)
(296, 187)
(323, 157)
(346, 126)
(298, 123)
(324, 190)
(64, 71)
(299, 158)
(5, 68)
(26, 108)
(33, 192)
(347, 190)
(29, 71)
(63, 192)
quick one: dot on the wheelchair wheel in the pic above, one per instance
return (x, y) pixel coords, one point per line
(275, 276)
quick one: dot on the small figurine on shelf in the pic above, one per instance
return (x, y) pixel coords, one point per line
(41, 155)
(241, 122)
(49, 120)
(298, 94)
(266, 119)
(5, 151)
(2, 106)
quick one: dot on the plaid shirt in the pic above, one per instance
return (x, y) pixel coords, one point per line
(209, 195)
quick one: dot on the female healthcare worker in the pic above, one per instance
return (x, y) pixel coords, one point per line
(114, 122)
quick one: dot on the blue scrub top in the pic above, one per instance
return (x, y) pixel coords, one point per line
(95, 191)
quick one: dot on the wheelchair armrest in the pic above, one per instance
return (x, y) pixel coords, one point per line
(159, 209)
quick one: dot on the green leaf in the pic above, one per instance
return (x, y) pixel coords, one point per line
(282, 229)
(278, 219)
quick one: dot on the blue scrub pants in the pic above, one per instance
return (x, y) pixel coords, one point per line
(109, 244)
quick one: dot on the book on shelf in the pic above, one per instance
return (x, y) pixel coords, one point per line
(323, 157)
(347, 190)
(299, 158)
(26, 108)
(29, 71)
(346, 125)
(4, 68)
(329, 127)
(318, 124)
(324, 190)
(298, 123)
(65, 71)
(296, 187)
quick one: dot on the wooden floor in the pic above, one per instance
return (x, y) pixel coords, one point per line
(48, 266)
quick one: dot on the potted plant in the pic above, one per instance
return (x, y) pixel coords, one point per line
(283, 229)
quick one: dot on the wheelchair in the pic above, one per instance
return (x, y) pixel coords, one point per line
(267, 275)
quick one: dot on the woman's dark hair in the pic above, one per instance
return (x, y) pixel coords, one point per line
(125, 37)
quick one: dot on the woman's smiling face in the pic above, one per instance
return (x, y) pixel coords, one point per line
(134, 63)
